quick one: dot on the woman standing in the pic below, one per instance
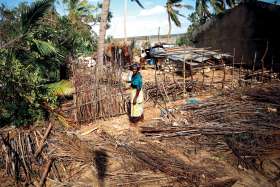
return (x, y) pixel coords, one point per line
(136, 98)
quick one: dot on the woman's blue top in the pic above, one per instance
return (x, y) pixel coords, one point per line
(136, 81)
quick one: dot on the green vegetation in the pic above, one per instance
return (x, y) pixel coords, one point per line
(36, 47)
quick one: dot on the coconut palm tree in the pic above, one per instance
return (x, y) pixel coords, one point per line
(102, 32)
(30, 16)
(173, 13)
(219, 6)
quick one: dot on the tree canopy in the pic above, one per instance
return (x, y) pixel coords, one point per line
(36, 45)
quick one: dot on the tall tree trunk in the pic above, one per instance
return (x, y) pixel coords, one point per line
(169, 28)
(102, 32)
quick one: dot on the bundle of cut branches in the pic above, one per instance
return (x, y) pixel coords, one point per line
(167, 91)
(246, 127)
(30, 156)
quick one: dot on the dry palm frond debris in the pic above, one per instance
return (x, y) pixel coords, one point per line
(158, 159)
(64, 157)
(244, 123)
(30, 156)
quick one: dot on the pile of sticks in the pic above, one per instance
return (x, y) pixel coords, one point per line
(246, 125)
(266, 93)
(20, 150)
(167, 91)
(156, 158)
(31, 156)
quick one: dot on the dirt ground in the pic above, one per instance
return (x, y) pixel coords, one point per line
(120, 128)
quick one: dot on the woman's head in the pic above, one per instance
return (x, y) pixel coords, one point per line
(135, 68)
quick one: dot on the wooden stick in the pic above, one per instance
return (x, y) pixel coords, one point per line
(233, 66)
(203, 75)
(213, 72)
(39, 150)
(224, 77)
(253, 68)
(23, 155)
(262, 59)
(271, 68)
(46, 171)
(184, 70)
(156, 101)
(240, 67)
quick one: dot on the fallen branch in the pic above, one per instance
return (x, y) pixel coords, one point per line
(46, 171)
(39, 150)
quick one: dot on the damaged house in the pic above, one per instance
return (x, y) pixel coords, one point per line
(249, 31)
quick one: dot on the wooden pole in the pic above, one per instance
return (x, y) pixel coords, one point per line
(224, 77)
(262, 60)
(271, 68)
(240, 67)
(46, 171)
(233, 66)
(158, 34)
(203, 75)
(39, 150)
(203, 71)
(156, 101)
(253, 68)
(184, 71)
(254, 63)
(213, 73)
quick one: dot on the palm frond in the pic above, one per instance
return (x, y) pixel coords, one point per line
(202, 8)
(32, 14)
(174, 1)
(175, 19)
(139, 4)
(61, 88)
(230, 3)
(218, 5)
(178, 13)
(45, 48)
(180, 5)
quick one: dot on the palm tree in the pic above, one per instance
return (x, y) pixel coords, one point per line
(219, 6)
(102, 32)
(173, 13)
(30, 16)
(80, 13)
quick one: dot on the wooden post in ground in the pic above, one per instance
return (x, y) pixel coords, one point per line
(271, 68)
(262, 60)
(240, 67)
(253, 68)
(233, 66)
(191, 73)
(184, 71)
(203, 71)
(224, 77)
(158, 34)
(203, 74)
(213, 73)
(156, 101)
